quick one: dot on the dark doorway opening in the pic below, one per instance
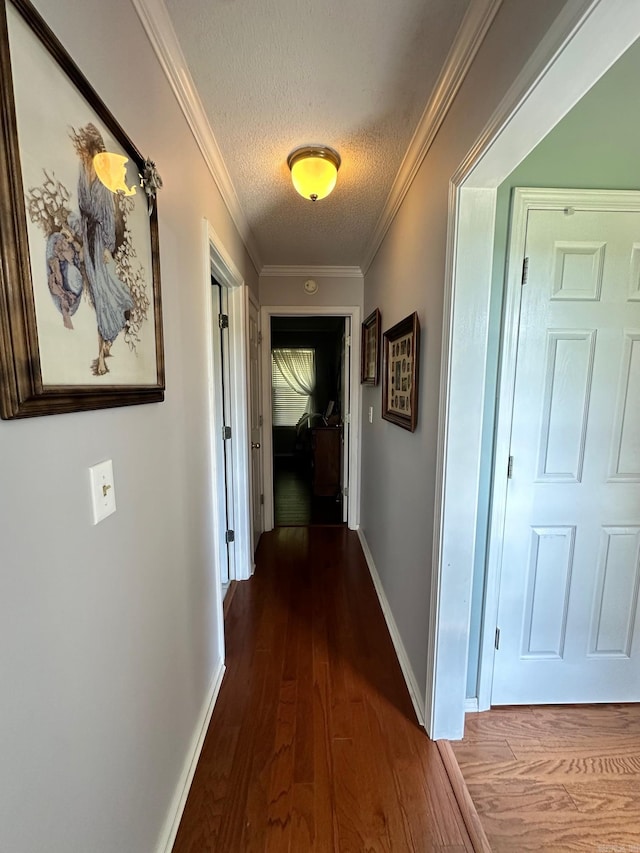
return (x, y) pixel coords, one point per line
(308, 409)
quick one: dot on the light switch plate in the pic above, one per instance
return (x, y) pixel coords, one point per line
(103, 491)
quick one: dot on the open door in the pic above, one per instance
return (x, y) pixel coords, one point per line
(255, 417)
(223, 442)
(569, 609)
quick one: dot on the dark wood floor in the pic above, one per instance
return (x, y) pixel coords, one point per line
(294, 501)
(313, 744)
(555, 778)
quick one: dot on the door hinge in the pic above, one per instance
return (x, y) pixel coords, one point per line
(261, 499)
(259, 338)
(230, 536)
(347, 419)
(347, 340)
(525, 271)
(497, 640)
(510, 468)
(226, 433)
(223, 321)
(345, 491)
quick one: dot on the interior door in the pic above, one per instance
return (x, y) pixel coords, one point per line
(568, 605)
(223, 441)
(257, 495)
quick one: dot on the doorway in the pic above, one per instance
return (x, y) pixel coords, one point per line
(309, 409)
(583, 43)
(339, 413)
(234, 298)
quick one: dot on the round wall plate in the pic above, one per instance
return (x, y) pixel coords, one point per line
(311, 286)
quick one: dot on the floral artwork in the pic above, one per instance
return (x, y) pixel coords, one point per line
(89, 251)
(79, 260)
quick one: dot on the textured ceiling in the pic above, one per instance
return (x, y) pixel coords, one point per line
(276, 74)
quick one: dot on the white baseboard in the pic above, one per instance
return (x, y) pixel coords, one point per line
(174, 814)
(414, 691)
(471, 706)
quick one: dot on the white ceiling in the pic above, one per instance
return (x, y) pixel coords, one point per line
(271, 75)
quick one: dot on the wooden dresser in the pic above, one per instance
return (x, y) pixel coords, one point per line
(326, 455)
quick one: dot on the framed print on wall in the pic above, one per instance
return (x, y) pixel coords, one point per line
(400, 373)
(370, 349)
(80, 309)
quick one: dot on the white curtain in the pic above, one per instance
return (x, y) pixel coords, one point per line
(298, 368)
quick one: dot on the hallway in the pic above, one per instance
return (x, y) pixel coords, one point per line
(313, 744)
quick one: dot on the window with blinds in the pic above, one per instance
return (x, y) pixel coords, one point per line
(287, 405)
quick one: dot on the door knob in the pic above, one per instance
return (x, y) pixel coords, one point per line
(255, 445)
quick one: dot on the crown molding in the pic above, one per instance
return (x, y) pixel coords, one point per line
(157, 24)
(316, 272)
(469, 37)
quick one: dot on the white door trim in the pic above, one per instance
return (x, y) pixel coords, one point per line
(219, 264)
(585, 40)
(354, 312)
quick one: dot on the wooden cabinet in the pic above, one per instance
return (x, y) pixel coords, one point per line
(326, 455)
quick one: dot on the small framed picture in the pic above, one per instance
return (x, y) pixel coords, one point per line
(400, 374)
(370, 350)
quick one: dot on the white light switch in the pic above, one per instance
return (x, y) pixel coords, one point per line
(103, 492)
(370, 414)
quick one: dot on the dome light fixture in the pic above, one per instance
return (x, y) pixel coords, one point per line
(314, 170)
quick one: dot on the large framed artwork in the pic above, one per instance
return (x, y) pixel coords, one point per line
(80, 309)
(370, 349)
(400, 373)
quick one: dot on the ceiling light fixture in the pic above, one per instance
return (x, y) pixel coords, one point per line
(314, 170)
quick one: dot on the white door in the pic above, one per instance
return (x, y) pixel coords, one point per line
(568, 609)
(257, 496)
(223, 445)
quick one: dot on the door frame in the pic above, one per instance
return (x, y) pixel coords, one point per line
(585, 40)
(347, 429)
(218, 263)
(355, 395)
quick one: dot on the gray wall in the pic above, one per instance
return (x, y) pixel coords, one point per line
(399, 468)
(343, 291)
(595, 146)
(108, 634)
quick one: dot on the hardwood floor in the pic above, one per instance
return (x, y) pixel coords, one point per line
(313, 744)
(294, 502)
(555, 778)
